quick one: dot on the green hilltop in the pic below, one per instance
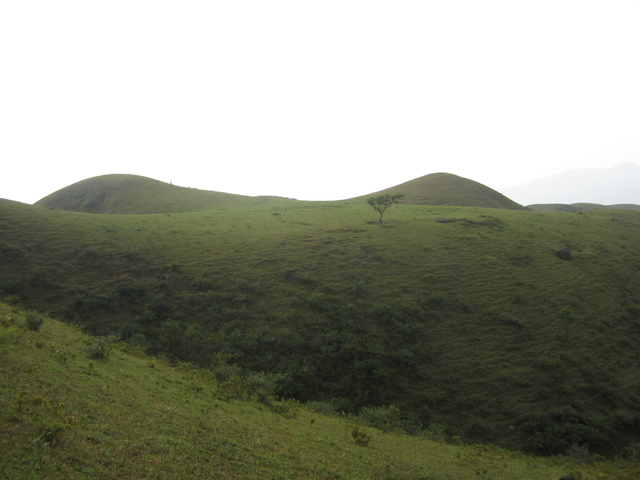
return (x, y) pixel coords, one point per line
(448, 189)
(467, 318)
(135, 194)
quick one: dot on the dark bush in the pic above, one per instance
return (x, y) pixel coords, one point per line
(98, 348)
(34, 321)
(324, 408)
(383, 418)
(9, 252)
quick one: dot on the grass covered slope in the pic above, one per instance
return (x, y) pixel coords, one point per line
(448, 189)
(118, 194)
(67, 415)
(464, 317)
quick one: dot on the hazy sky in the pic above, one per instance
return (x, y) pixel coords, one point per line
(314, 100)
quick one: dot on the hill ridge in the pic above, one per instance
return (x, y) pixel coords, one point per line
(127, 194)
(448, 189)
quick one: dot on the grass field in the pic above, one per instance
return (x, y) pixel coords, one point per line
(67, 415)
(463, 317)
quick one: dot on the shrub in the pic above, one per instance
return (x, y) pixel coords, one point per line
(633, 451)
(383, 418)
(173, 267)
(317, 301)
(359, 287)
(224, 372)
(12, 287)
(634, 311)
(98, 348)
(234, 388)
(435, 431)
(8, 334)
(10, 252)
(360, 435)
(287, 407)
(34, 321)
(204, 283)
(266, 385)
(580, 454)
(343, 405)
(324, 408)
(435, 298)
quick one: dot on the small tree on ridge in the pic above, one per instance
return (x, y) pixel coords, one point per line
(382, 202)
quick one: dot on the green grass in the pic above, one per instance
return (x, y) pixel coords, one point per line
(135, 194)
(451, 313)
(447, 189)
(65, 415)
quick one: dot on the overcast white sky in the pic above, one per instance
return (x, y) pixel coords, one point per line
(314, 100)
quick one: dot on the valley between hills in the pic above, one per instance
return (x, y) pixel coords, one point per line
(465, 318)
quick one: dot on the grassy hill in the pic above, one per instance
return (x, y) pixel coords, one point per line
(118, 194)
(68, 414)
(448, 189)
(463, 317)
(578, 207)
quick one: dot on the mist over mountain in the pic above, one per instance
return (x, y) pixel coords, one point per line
(616, 185)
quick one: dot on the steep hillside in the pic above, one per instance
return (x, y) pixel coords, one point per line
(118, 194)
(67, 414)
(469, 318)
(448, 189)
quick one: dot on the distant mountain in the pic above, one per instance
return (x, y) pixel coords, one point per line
(580, 207)
(448, 189)
(616, 185)
(119, 194)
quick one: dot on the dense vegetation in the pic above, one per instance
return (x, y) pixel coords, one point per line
(465, 318)
(73, 410)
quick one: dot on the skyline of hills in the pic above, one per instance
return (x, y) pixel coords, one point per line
(607, 186)
(122, 194)
(617, 187)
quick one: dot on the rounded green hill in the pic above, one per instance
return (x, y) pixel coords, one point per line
(448, 189)
(121, 194)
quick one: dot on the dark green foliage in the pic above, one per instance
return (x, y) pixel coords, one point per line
(325, 408)
(360, 435)
(12, 287)
(98, 348)
(382, 418)
(266, 385)
(34, 321)
(580, 454)
(381, 203)
(10, 252)
(203, 283)
(555, 431)
(435, 298)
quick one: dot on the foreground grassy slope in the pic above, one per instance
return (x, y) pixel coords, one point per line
(136, 194)
(451, 313)
(448, 189)
(130, 416)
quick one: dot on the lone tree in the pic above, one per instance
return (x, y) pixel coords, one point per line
(382, 202)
